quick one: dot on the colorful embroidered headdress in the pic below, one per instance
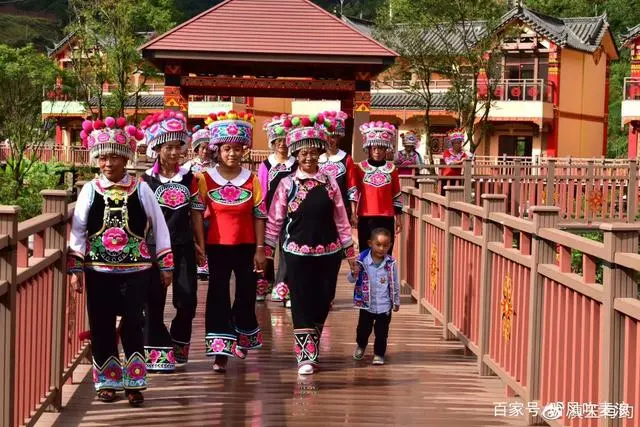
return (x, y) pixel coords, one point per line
(160, 128)
(275, 129)
(456, 135)
(409, 138)
(231, 128)
(110, 137)
(307, 132)
(338, 118)
(378, 134)
(200, 136)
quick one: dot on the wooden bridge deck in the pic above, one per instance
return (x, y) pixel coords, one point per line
(426, 381)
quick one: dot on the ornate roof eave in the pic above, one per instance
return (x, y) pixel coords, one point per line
(632, 34)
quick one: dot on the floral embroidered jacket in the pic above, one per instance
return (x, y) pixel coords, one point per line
(311, 210)
(449, 157)
(404, 159)
(177, 196)
(270, 173)
(110, 224)
(365, 285)
(340, 167)
(233, 204)
(376, 188)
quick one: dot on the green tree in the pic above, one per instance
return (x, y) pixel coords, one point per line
(107, 34)
(452, 38)
(23, 74)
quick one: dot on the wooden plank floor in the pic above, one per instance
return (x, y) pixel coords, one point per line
(426, 382)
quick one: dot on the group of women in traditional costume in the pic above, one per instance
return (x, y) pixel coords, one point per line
(132, 238)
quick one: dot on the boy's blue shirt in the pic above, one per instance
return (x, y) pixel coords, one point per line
(362, 289)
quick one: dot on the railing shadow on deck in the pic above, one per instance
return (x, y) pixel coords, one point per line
(504, 287)
(40, 316)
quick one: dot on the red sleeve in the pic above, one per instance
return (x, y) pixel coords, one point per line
(354, 180)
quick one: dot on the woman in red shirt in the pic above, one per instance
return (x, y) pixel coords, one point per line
(234, 241)
(374, 189)
(453, 156)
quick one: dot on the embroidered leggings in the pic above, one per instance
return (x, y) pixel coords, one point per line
(226, 324)
(110, 295)
(312, 283)
(185, 288)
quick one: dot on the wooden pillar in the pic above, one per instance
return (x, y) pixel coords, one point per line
(542, 252)
(632, 149)
(554, 82)
(350, 143)
(56, 201)
(361, 114)
(8, 276)
(490, 233)
(175, 98)
(605, 125)
(617, 282)
(451, 219)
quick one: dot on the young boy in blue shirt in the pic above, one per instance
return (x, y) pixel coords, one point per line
(376, 294)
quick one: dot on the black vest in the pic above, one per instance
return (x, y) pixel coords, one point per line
(175, 200)
(116, 229)
(276, 174)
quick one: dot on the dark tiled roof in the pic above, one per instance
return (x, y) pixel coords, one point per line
(144, 101)
(584, 34)
(631, 34)
(404, 100)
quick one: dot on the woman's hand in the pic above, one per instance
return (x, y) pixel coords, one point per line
(200, 254)
(77, 282)
(166, 277)
(354, 267)
(259, 260)
(354, 219)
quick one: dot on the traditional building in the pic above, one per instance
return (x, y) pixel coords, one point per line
(631, 95)
(551, 99)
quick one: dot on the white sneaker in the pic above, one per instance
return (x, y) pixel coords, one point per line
(305, 370)
(358, 354)
(378, 360)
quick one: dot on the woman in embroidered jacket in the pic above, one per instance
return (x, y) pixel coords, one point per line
(176, 190)
(454, 155)
(109, 254)
(309, 205)
(234, 242)
(271, 171)
(336, 162)
(408, 157)
(375, 189)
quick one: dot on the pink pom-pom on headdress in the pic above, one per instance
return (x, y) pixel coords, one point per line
(110, 122)
(121, 122)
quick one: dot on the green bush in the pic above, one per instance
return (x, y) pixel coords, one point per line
(40, 177)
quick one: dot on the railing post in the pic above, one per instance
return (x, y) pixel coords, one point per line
(515, 192)
(618, 282)
(632, 191)
(551, 181)
(451, 219)
(56, 201)
(8, 277)
(588, 191)
(542, 252)
(490, 233)
(424, 186)
(466, 172)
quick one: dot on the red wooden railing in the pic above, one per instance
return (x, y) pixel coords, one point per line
(505, 287)
(40, 316)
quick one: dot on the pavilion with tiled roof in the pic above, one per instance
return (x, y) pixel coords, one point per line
(270, 48)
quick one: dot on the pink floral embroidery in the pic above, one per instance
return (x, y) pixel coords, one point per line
(259, 337)
(174, 125)
(297, 349)
(171, 358)
(331, 169)
(144, 250)
(232, 130)
(282, 290)
(319, 249)
(305, 249)
(115, 239)
(173, 197)
(120, 138)
(332, 247)
(310, 347)
(154, 355)
(230, 193)
(217, 345)
(244, 341)
(377, 179)
(104, 137)
(113, 373)
(136, 370)
(167, 261)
